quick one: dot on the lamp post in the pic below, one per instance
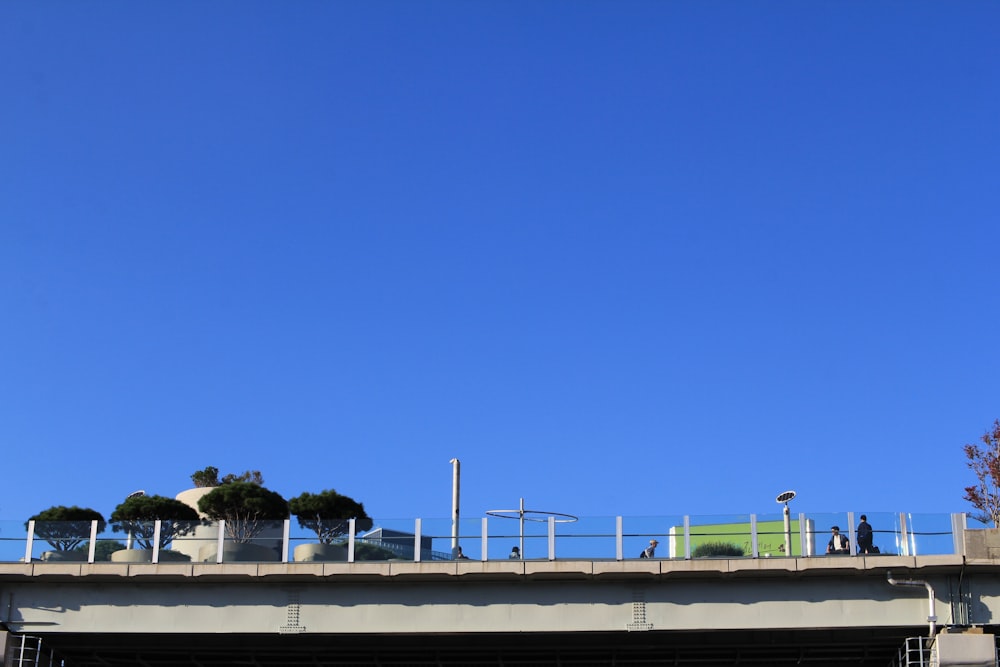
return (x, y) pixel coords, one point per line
(785, 498)
(456, 475)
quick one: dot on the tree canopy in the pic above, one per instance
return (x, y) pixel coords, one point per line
(65, 528)
(209, 476)
(328, 514)
(246, 507)
(985, 463)
(136, 516)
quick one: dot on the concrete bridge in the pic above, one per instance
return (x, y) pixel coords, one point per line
(761, 611)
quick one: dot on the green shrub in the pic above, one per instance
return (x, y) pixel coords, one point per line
(709, 549)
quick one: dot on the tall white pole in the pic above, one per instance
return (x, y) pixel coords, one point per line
(520, 516)
(788, 531)
(456, 476)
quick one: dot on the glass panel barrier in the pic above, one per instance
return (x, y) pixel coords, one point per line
(721, 536)
(703, 536)
(929, 534)
(818, 530)
(388, 539)
(589, 538)
(13, 541)
(435, 537)
(251, 542)
(668, 531)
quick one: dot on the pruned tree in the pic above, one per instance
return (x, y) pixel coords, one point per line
(252, 476)
(137, 516)
(328, 514)
(985, 463)
(246, 507)
(66, 528)
(210, 477)
(205, 478)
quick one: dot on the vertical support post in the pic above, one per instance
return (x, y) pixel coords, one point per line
(619, 538)
(787, 517)
(456, 467)
(804, 536)
(851, 536)
(93, 541)
(220, 540)
(351, 527)
(958, 526)
(904, 536)
(31, 538)
(687, 537)
(520, 532)
(286, 533)
(416, 540)
(754, 547)
(552, 538)
(485, 541)
(157, 527)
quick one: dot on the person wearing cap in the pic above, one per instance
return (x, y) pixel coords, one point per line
(650, 550)
(838, 543)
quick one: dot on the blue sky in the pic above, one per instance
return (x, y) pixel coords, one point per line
(619, 258)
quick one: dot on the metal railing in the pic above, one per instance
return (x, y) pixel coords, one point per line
(919, 652)
(490, 538)
(27, 651)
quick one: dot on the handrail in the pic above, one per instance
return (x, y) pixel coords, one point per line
(591, 538)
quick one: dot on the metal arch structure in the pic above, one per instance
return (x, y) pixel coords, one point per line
(523, 515)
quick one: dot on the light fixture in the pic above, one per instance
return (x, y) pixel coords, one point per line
(784, 498)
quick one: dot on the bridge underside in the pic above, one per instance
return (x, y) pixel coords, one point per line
(815, 648)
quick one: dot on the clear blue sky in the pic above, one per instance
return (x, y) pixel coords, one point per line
(620, 258)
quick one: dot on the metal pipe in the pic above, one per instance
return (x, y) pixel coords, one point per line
(931, 611)
(456, 475)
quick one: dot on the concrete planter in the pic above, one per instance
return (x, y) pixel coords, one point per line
(305, 553)
(64, 556)
(236, 552)
(146, 556)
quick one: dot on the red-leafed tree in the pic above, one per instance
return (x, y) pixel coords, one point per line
(985, 462)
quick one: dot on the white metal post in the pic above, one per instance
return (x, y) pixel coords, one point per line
(851, 536)
(220, 540)
(552, 538)
(31, 539)
(93, 541)
(619, 533)
(350, 539)
(485, 542)
(157, 526)
(416, 540)
(286, 532)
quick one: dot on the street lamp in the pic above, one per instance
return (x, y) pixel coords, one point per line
(785, 498)
(456, 475)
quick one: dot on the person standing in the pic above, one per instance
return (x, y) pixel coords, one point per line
(865, 534)
(515, 553)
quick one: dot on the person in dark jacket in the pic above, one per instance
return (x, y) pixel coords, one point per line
(865, 534)
(838, 544)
